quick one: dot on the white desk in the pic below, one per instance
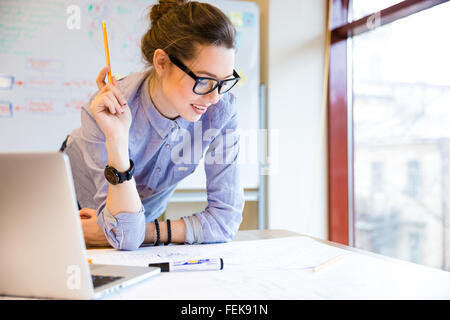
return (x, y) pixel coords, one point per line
(269, 264)
(359, 275)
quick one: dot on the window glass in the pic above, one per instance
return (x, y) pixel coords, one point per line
(401, 128)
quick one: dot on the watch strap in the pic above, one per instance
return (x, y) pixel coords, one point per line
(119, 176)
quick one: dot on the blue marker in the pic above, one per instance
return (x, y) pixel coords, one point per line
(191, 265)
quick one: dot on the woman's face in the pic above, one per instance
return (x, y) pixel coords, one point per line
(180, 100)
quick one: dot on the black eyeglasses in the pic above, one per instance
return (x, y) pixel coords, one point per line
(204, 85)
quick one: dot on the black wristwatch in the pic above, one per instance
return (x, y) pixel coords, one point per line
(115, 177)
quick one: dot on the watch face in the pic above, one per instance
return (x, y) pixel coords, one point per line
(111, 176)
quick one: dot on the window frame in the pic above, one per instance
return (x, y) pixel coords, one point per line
(340, 122)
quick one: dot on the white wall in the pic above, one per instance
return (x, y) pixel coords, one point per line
(297, 190)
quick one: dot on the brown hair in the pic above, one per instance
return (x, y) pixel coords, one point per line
(177, 26)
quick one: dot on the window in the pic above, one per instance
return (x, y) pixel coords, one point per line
(376, 177)
(397, 104)
(413, 181)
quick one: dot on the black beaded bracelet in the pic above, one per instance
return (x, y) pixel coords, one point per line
(158, 235)
(169, 233)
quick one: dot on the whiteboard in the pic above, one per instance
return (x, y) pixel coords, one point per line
(48, 67)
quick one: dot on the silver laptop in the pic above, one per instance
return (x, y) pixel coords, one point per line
(42, 247)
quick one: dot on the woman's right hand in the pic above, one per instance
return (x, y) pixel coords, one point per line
(110, 109)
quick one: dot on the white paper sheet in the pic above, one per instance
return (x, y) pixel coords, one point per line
(269, 254)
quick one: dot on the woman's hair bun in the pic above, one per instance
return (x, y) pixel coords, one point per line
(164, 6)
(179, 26)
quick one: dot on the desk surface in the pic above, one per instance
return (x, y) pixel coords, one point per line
(244, 235)
(274, 264)
(270, 264)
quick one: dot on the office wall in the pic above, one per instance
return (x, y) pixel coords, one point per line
(297, 198)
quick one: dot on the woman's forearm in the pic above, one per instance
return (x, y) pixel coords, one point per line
(125, 198)
(122, 197)
(177, 231)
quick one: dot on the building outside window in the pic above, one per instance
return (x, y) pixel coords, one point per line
(400, 94)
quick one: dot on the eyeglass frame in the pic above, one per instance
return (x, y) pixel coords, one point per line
(219, 83)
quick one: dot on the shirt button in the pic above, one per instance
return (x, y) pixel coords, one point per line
(167, 146)
(158, 169)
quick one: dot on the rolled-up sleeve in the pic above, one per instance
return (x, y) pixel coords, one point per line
(129, 226)
(222, 217)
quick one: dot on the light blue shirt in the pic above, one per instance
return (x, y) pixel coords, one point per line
(164, 152)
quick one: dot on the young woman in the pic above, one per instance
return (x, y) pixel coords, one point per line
(139, 136)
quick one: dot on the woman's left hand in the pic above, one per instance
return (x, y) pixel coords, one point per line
(93, 235)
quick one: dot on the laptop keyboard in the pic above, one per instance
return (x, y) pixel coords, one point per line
(98, 280)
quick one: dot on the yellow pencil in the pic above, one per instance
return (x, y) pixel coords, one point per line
(105, 40)
(328, 263)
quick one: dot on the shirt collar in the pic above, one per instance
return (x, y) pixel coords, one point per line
(161, 124)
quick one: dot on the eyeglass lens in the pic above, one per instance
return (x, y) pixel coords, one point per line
(204, 86)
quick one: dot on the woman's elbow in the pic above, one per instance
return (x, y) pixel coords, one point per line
(131, 241)
(131, 234)
(130, 246)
